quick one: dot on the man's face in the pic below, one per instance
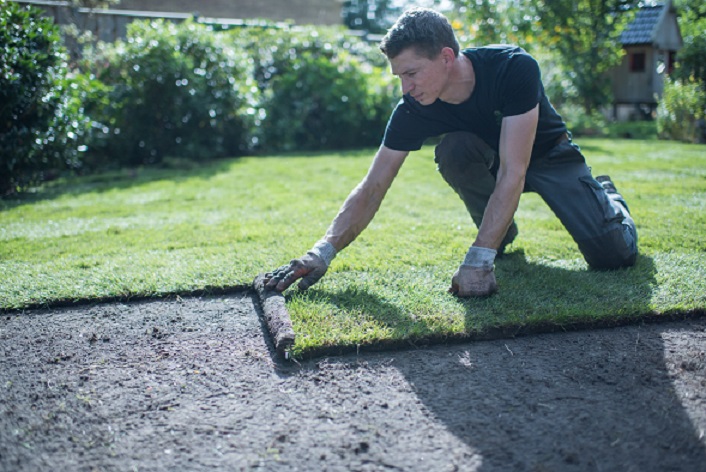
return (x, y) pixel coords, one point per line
(424, 79)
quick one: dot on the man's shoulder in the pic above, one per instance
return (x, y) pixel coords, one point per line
(501, 60)
(495, 52)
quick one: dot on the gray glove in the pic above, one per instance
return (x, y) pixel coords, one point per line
(476, 276)
(309, 268)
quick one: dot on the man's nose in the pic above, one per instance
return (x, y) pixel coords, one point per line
(406, 86)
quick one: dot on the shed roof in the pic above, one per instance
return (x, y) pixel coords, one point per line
(641, 29)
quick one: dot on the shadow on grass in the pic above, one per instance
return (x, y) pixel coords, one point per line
(538, 298)
(534, 298)
(404, 330)
(582, 400)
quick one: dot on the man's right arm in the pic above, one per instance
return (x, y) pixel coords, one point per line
(354, 216)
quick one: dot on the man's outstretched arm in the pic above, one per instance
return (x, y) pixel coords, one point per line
(353, 217)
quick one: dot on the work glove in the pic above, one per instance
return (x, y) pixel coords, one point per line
(476, 276)
(309, 268)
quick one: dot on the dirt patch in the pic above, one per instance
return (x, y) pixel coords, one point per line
(194, 384)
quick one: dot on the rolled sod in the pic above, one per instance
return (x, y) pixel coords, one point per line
(276, 316)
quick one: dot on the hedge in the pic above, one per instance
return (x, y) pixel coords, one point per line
(42, 122)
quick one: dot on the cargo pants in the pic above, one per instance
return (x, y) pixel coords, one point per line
(599, 222)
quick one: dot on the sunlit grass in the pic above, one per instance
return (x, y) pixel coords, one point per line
(163, 231)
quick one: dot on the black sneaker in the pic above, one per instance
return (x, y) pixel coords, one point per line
(510, 236)
(610, 189)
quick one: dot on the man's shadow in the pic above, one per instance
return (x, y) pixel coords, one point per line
(591, 400)
(583, 400)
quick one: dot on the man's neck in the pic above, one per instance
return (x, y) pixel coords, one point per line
(462, 81)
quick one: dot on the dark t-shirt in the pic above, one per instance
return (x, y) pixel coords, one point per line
(508, 83)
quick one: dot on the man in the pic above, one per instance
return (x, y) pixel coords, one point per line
(502, 137)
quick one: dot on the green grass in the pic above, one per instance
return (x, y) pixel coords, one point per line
(217, 226)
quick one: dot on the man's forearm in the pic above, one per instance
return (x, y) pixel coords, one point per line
(515, 150)
(500, 211)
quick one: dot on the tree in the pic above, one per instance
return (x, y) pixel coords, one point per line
(692, 57)
(586, 35)
(583, 35)
(495, 21)
(372, 16)
(376, 16)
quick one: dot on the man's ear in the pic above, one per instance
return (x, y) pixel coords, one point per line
(448, 56)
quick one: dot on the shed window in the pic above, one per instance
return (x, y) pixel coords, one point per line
(637, 62)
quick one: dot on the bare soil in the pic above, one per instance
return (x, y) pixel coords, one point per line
(194, 384)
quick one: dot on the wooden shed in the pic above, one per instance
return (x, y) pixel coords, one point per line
(651, 42)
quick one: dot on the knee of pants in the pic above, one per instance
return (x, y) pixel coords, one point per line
(459, 151)
(614, 250)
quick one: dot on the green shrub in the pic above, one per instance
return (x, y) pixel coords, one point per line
(596, 124)
(582, 124)
(645, 129)
(680, 110)
(41, 120)
(171, 90)
(322, 89)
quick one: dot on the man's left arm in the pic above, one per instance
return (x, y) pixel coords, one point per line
(476, 275)
(516, 140)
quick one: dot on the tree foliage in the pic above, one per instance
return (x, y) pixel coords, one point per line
(586, 35)
(496, 22)
(681, 110)
(692, 57)
(583, 33)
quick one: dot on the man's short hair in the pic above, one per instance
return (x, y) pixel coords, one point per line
(426, 30)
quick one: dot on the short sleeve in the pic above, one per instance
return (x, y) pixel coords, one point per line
(522, 85)
(411, 124)
(405, 130)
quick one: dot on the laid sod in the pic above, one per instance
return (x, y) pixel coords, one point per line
(217, 225)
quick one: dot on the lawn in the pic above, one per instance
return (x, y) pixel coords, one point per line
(215, 226)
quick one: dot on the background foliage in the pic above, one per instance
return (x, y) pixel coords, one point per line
(186, 91)
(680, 112)
(692, 57)
(373, 16)
(321, 89)
(583, 34)
(41, 119)
(171, 90)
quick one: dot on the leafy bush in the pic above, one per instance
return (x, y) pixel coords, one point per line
(644, 129)
(171, 90)
(680, 112)
(582, 124)
(321, 88)
(41, 120)
(596, 124)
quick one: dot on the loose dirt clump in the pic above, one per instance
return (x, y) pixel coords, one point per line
(194, 384)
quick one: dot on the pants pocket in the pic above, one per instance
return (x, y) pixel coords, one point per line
(600, 198)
